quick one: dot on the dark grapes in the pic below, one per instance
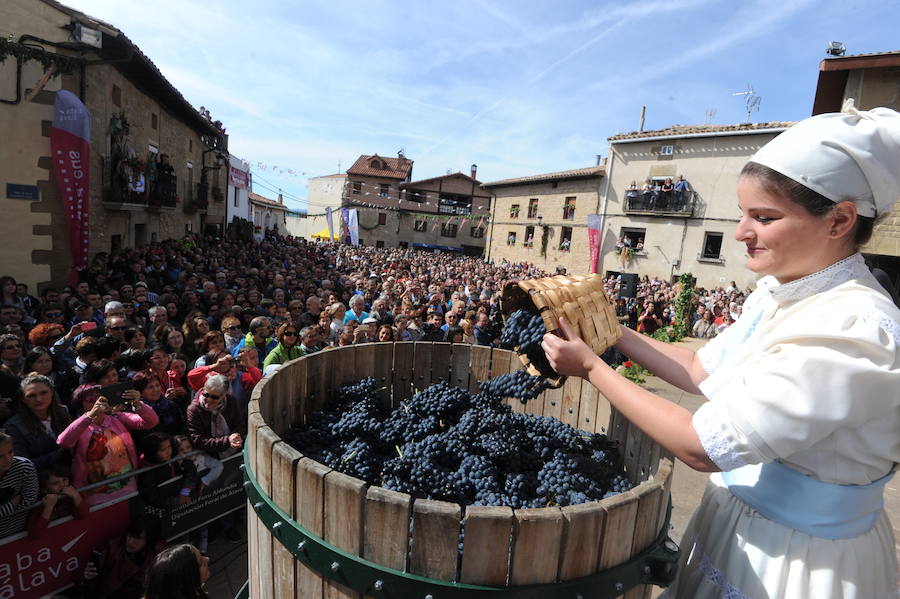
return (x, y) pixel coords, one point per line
(443, 443)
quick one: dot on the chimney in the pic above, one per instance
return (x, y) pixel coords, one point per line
(643, 116)
(474, 171)
(280, 199)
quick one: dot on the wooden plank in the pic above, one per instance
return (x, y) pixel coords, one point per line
(581, 539)
(315, 390)
(645, 452)
(265, 439)
(587, 408)
(284, 460)
(344, 501)
(460, 365)
(343, 370)
(365, 361)
(538, 540)
(309, 508)
(645, 529)
(485, 558)
(383, 371)
(435, 539)
(480, 366)
(664, 474)
(632, 452)
(571, 402)
(440, 362)
(551, 402)
(604, 413)
(618, 533)
(386, 537)
(404, 354)
(422, 365)
(254, 423)
(273, 398)
(297, 408)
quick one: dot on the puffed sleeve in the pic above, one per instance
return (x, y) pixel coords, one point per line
(799, 389)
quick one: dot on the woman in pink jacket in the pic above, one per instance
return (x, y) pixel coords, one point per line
(102, 444)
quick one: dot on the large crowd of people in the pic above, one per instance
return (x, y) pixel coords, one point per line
(155, 352)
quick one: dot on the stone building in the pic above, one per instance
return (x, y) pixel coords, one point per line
(237, 204)
(268, 214)
(872, 80)
(542, 219)
(447, 213)
(323, 192)
(137, 117)
(667, 234)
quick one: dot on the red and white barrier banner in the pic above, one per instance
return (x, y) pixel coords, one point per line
(594, 224)
(70, 147)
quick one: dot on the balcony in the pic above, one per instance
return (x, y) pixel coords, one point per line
(660, 204)
(197, 197)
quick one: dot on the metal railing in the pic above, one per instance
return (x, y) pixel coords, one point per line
(670, 204)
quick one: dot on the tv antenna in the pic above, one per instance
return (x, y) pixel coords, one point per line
(752, 100)
(710, 115)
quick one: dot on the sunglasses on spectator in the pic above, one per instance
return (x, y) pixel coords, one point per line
(52, 314)
(119, 328)
(211, 395)
(290, 333)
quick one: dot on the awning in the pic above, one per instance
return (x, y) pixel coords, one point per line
(323, 234)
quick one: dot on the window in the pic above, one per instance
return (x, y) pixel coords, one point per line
(449, 230)
(514, 211)
(383, 189)
(382, 218)
(116, 95)
(532, 208)
(376, 164)
(379, 243)
(190, 145)
(511, 238)
(633, 238)
(666, 150)
(712, 246)
(154, 121)
(403, 245)
(357, 188)
(569, 209)
(565, 239)
(477, 232)
(415, 196)
(420, 225)
(554, 185)
(529, 236)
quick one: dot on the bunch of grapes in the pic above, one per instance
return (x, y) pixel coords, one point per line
(517, 384)
(445, 444)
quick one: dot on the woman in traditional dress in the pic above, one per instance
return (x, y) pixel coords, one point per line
(803, 416)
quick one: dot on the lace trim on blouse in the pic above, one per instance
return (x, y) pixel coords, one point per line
(851, 267)
(718, 445)
(887, 324)
(713, 576)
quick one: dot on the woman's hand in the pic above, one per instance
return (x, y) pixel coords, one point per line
(235, 440)
(568, 355)
(100, 407)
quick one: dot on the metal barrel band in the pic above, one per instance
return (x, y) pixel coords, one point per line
(655, 565)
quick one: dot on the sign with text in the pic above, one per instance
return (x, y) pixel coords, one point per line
(14, 191)
(70, 149)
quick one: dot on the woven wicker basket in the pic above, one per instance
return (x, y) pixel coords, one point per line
(578, 298)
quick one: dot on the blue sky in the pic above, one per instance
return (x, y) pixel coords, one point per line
(518, 86)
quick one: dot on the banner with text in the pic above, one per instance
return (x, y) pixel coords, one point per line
(70, 147)
(594, 224)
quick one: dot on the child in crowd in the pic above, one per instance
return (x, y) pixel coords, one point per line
(59, 499)
(202, 462)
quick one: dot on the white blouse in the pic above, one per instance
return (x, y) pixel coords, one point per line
(810, 374)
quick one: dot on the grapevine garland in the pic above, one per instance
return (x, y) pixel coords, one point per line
(64, 65)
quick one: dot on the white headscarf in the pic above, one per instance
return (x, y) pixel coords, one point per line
(848, 155)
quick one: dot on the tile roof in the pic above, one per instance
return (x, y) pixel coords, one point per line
(255, 197)
(576, 173)
(447, 176)
(330, 176)
(677, 130)
(396, 168)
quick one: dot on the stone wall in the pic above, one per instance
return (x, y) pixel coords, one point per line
(551, 202)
